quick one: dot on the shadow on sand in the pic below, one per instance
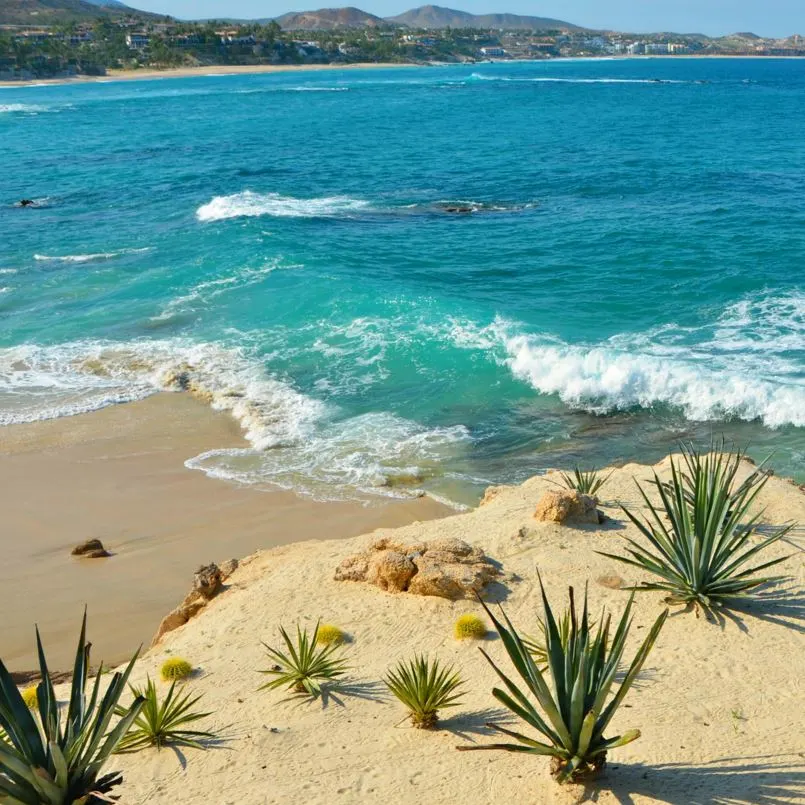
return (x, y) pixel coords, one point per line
(769, 780)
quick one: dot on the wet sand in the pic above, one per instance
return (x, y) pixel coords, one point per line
(118, 474)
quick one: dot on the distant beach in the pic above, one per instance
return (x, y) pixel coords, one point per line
(200, 72)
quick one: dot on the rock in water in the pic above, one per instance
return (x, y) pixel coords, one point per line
(90, 549)
(566, 506)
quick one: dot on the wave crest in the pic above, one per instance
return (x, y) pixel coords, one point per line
(87, 258)
(249, 205)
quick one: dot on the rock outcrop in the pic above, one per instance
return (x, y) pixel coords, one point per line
(567, 506)
(207, 583)
(447, 568)
(90, 549)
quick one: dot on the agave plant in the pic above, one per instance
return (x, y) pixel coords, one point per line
(424, 687)
(717, 461)
(581, 669)
(305, 665)
(163, 723)
(586, 482)
(701, 534)
(49, 761)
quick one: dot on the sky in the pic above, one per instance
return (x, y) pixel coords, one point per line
(712, 17)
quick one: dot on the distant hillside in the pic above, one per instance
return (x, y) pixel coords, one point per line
(52, 12)
(326, 19)
(438, 17)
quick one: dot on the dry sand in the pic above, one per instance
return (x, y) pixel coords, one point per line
(200, 72)
(118, 475)
(721, 708)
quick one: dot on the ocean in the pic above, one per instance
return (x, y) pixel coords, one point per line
(417, 279)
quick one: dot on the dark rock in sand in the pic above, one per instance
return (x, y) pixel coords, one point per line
(91, 549)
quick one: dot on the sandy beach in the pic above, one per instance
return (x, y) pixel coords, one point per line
(118, 475)
(720, 707)
(200, 72)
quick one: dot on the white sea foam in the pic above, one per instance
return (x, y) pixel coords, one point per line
(87, 258)
(373, 454)
(8, 270)
(297, 441)
(249, 204)
(315, 89)
(742, 366)
(204, 292)
(21, 108)
(556, 80)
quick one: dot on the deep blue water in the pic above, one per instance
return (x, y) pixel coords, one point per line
(629, 273)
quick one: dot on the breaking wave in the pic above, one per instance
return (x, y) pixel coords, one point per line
(552, 80)
(747, 365)
(297, 442)
(249, 204)
(21, 108)
(87, 258)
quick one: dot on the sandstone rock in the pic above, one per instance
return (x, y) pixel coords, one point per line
(491, 492)
(390, 570)
(564, 505)
(449, 568)
(353, 568)
(228, 567)
(207, 580)
(91, 549)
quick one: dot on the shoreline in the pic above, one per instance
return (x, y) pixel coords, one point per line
(222, 70)
(202, 72)
(118, 475)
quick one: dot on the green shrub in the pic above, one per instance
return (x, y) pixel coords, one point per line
(30, 698)
(329, 635)
(582, 668)
(585, 482)
(304, 666)
(175, 668)
(424, 687)
(46, 762)
(469, 626)
(163, 723)
(699, 546)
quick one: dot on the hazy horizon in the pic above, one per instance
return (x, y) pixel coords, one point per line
(775, 18)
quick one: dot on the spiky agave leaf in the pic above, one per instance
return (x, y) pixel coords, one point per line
(718, 461)
(305, 665)
(424, 687)
(586, 482)
(701, 534)
(45, 762)
(165, 723)
(572, 692)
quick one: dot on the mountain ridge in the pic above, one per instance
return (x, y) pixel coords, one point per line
(431, 16)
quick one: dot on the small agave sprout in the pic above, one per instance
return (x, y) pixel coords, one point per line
(164, 723)
(581, 668)
(585, 482)
(701, 535)
(305, 664)
(424, 687)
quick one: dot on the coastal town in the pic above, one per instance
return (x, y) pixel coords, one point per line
(124, 39)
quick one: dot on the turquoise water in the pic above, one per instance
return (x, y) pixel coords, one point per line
(627, 269)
